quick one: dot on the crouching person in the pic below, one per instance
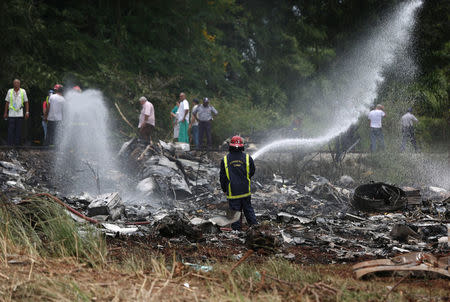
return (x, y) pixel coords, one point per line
(236, 169)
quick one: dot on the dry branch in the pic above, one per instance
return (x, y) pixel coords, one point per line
(123, 116)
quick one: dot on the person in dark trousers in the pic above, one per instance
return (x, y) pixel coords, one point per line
(407, 122)
(44, 110)
(236, 170)
(376, 133)
(204, 115)
(54, 114)
(15, 101)
(193, 125)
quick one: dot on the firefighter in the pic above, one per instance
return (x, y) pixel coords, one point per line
(236, 169)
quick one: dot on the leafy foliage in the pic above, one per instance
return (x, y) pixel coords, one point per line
(265, 55)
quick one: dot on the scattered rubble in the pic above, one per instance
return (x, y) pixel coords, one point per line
(175, 195)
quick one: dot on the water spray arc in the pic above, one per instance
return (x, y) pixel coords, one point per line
(359, 76)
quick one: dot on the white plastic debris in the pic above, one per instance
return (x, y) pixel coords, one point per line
(121, 230)
(179, 146)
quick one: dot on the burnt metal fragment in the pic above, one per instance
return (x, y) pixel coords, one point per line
(379, 197)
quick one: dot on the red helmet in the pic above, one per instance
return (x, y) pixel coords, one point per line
(76, 88)
(236, 141)
(58, 87)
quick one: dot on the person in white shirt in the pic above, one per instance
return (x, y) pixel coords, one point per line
(183, 119)
(16, 98)
(407, 122)
(376, 133)
(54, 113)
(146, 120)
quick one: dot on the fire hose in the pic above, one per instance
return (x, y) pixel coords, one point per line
(57, 200)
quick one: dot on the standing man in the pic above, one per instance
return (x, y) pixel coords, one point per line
(44, 109)
(176, 126)
(146, 120)
(194, 125)
(204, 115)
(15, 99)
(54, 113)
(375, 117)
(236, 169)
(407, 122)
(183, 119)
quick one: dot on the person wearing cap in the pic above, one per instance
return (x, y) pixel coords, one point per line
(146, 120)
(376, 133)
(204, 115)
(16, 98)
(54, 113)
(44, 109)
(236, 170)
(193, 126)
(407, 122)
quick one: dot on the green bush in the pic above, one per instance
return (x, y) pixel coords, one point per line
(241, 117)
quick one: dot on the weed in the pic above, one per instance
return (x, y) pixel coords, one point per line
(43, 228)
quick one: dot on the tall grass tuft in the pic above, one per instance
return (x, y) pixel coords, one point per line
(43, 228)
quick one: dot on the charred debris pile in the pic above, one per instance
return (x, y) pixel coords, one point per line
(175, 196)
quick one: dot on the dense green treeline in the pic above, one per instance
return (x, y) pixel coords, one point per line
(253, 58)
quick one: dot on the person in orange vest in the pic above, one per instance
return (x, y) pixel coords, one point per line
(16, 99)
(236, 170)
(44, 110)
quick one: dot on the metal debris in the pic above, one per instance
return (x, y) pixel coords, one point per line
(379, 197)
(107, 204)
(418, 261)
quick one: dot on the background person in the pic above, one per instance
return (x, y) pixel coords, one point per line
(204, 115)
(376, 133)
(16, 98)
(194, 124)
(408, 120)
(176, 126)
(183, 119)
(146, 120)
(54, 113)
(44, 109)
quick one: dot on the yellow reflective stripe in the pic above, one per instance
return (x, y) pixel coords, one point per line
(46, 100)
(230, 196)
(247, 161)
(225, 163)
(239, 196)
(11, 105)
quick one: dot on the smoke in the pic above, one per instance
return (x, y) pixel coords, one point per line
(356, 79)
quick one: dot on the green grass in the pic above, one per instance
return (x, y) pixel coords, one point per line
(43, 228)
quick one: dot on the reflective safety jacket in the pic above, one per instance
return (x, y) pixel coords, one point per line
(236, 169)
(11, 100)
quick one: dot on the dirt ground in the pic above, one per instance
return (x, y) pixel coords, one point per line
(136, 271)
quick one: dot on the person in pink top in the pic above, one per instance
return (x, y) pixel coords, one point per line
(146, 120)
